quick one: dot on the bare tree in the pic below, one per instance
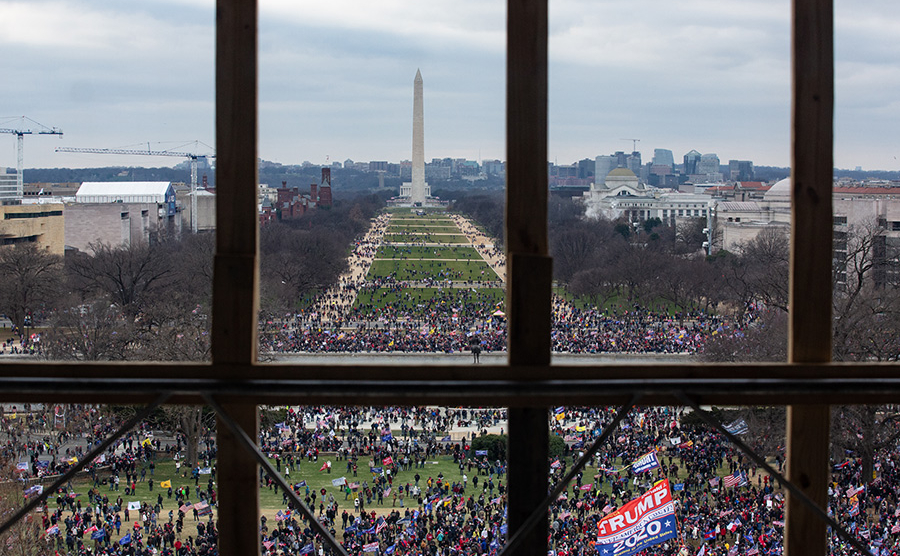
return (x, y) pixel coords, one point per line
(193, 423)
(27, 536)
(30, 279)
(764, 339)
(128, 275)
(295, 263)
(574, 248)
(767, 257)
(863, 431)
(89, 332)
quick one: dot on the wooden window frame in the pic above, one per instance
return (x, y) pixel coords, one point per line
(528, 384)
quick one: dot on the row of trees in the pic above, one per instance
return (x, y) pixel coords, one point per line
(653, 265)
(151, 301)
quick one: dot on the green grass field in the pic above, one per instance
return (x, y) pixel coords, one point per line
(435, 217)
(422, 229)
(416, 252)
(421, 301)
(437, 269)
(271, 501)
(427, 238)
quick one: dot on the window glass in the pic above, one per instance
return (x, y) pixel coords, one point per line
(669, 240)
(381, 182)
(106, 251)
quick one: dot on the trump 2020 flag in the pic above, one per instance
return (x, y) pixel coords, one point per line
(645, 463)
(645, 521)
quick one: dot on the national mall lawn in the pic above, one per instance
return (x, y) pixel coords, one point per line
(271, 501)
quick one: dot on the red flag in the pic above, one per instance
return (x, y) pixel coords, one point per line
(324, 466)
(388, 461)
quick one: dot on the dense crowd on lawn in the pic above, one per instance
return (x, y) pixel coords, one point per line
(447, 517)
(425, 515)
(445, 324)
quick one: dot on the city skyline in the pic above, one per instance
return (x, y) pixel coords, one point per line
(698, 75)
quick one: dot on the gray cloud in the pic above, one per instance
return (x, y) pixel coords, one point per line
(336, 77)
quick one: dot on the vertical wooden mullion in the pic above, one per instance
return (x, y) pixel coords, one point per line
(810, 329)
(529, 271)
(235, 283)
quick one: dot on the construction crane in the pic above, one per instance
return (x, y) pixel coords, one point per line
(20, 134)
(634, 143)
(149, 152)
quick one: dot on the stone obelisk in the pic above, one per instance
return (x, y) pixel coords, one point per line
(417, 195)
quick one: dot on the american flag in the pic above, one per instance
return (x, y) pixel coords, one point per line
(734, 479)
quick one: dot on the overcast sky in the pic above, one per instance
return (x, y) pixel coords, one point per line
(336, 78)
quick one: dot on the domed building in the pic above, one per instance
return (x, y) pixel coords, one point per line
(779, 193)
(624, 196)
(857, 207)
(741, 221)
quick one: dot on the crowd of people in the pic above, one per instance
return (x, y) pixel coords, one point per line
(447, 322)
(725, 505)
(389, 313)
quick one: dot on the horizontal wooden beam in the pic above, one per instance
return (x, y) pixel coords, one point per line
(487, 386)
(646, 370)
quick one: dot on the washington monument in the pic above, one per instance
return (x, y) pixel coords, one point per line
(417, 192)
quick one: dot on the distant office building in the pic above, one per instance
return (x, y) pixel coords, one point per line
(603, 165)
(586, 168)
(691, 163)
(740, 170)
(121, 213)
(205, 205)
(709, 164)
(707, 170)
(664, 157)
(57, 190)
(8, 185)
(41, 224)
(633, 163)
(493, 167)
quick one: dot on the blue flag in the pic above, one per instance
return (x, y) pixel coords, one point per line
(307, 549)
(481, 452)
(677, 487)
(645, 463)
(125, 540)
(98, 534)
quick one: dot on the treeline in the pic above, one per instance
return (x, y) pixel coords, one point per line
(299, 258)
(649, 265)
(485, 209)
(652, 266)
(151, 301)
